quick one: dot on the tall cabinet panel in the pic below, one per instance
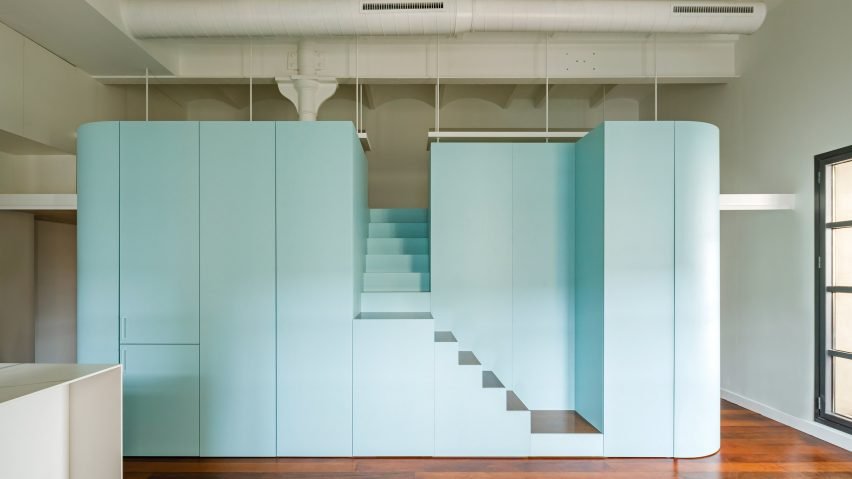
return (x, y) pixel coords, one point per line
(696, 351)
(160, 400)
(97, 243)
(159, 233)
(543, 274)
(589, 277)
(639, 289)
(471, 249)
(237, 289)
(315, 164)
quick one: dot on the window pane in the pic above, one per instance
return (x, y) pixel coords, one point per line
(842, 191)
(842, 317)
(841, 259)
(843, 387)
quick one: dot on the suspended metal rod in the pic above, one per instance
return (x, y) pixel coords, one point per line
(437, 87)
(146, 94)
(251, 81)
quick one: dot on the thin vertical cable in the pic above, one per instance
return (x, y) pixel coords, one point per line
(357, 88)
(604, 103)
(547, 87)
(251, 80)
(656, 79)
(437, 90)
(146, 94)
(361, 106)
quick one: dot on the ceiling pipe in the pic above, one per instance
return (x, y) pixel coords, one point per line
(320, 18)
(307, 90)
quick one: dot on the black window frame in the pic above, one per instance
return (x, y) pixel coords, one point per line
(823, 351)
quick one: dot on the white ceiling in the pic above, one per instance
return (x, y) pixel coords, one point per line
(75, 31)
(91, 34)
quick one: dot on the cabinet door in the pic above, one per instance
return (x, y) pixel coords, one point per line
(97, 243)
(160, 400)
(159, 232)
(639, 289)
(238, 289)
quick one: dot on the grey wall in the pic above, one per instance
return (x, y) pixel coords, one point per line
(56, 292)
(17, 287)
(792, 101)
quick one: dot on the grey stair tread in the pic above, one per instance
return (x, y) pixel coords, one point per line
(444, 337)
(560, 422)
(401, 315)
(466, 358)
(514, 403)
(490, 380)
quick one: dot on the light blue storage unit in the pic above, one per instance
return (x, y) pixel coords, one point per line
(471, 248)
(237, 289)
(394, 387)
(160, 400)
(158, 273)
(543, 275)
(97, 243)
(696, 302)
(582, 276)
(638, 288)
(321, 220)
(589, 277)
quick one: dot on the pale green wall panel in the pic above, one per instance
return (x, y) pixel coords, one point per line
(159, 232)
(589, 277)
(237, 336)
(639, 289)
(316, 296)
(160, 400)
(696, 353)
(543, 274)
(471, 248)
(97, 243)
(360, 219)
(394, 388)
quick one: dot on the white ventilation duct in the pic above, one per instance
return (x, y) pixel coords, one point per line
(317, 18)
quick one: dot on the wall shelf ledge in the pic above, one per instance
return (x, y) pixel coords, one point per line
(753, 202)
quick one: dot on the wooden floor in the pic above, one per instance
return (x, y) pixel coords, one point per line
(752, 447)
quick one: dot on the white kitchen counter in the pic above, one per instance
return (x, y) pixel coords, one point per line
(60, 421)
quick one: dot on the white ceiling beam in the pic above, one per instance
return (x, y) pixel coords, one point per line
(475, 58)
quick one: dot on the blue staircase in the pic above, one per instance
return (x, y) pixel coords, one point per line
(398, 251)
(474, 413)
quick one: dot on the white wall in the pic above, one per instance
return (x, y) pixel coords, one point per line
(44, 98)
(793, 101)
(17, 287)
(48, 174)
(56, 292)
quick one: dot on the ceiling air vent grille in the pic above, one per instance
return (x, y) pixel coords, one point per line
(401, 6)
(713, 9)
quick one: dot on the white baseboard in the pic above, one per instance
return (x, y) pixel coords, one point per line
(827, 434)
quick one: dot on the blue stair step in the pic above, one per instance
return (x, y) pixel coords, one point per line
(397, 263)
(399, 215)
(490, 380)
(514, 403)
(396, 281)
(399, 230)
(467, 358)
(445, 337)
(388, 302)
(397, 246)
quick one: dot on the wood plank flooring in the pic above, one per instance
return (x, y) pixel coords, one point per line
(753, 447)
